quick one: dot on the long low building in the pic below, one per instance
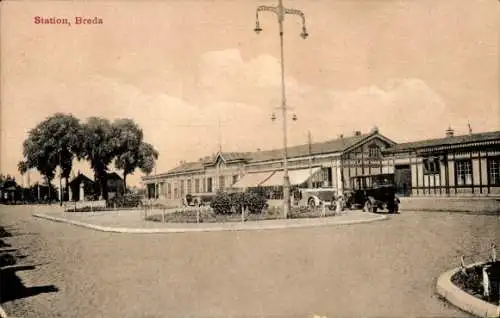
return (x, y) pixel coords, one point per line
(454, 165)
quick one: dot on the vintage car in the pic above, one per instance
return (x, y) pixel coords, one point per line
(314, 197)
(373, 197)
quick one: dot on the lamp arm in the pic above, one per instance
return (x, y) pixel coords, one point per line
(297, 12)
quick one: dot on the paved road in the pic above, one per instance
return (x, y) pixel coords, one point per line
(383, 269)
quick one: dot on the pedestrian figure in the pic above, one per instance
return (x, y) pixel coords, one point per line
(339, 205)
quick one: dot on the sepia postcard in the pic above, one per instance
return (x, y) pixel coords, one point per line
(250, 158)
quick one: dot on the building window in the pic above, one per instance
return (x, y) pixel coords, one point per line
(221, 182)
(182, 188)
(197, 185)
(169, 190)
(235, 179)
(374, 151)
(176, 193)
(431, 166)
(189, 186)
(493, 171)
(209, 185)
(463, 170)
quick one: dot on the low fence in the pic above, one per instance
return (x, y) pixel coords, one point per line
(101, 204)
(152, 209)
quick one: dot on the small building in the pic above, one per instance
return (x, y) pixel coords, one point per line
(449, 166)
(79, 182)
(115, 184)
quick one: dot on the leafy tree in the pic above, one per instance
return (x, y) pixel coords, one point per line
(147, 157)
(99, 148)
(132, 152)
(55, 142)
(128, 139)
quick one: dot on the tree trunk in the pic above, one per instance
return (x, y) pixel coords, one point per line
(104, 186)
(67, 188)
(49, 181)
(124, 182)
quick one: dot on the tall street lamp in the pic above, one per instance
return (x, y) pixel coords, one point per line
(281, 11)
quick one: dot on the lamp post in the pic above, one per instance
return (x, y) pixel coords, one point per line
(280, 12)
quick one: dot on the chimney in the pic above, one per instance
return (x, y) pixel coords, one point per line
(258, 149)
(375, 129)
(341, 136)
(449, 132)
(357, 133)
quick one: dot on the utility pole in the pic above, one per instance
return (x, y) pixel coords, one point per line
(310, 185)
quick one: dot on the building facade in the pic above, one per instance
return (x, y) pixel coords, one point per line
(331, 164)
(454, 165)
(450, 166)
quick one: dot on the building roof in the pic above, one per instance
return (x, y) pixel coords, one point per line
(81, 177)
(454, 141)
(114, 176)
(331, 146)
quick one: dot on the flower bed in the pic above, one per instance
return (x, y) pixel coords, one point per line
(472, 282)
(207, 215)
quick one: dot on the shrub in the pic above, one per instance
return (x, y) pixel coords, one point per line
(238, 201)
(221, 203)
(255, 202)
(224, 203)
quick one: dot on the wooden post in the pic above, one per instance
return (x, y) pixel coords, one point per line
(462, 264)
(242, 214)
(163, 215)
(493, 253)
(198, 215)
(323, 209)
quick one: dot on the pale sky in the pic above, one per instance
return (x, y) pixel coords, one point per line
(412, 68)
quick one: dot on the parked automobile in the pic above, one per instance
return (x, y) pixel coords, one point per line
(313, 197)
(372, 199)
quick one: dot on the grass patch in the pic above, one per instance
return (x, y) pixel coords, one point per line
(472, 282)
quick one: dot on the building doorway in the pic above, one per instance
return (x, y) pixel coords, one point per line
(402, 179)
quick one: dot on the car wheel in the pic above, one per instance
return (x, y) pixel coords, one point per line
(311, 203)
(367, 207)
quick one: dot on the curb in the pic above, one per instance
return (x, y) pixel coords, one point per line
(235, 227)
(463, 300)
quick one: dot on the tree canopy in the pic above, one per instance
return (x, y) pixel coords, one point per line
(61, 138)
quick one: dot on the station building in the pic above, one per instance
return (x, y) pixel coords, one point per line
(453, 165)
(331, 164)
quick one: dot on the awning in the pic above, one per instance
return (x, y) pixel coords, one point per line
(297, 177)
(251, 180)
